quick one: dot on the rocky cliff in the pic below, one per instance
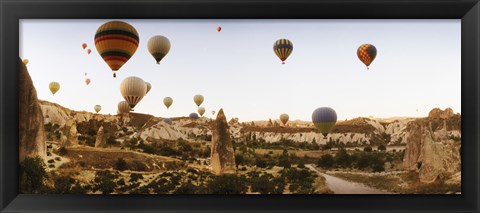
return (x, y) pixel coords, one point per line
(31, 129)
(222, 154)
(433, 145)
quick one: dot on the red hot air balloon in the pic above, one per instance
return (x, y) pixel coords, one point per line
(89, 51)
(219, 29)
(84, 45)
(87, 81)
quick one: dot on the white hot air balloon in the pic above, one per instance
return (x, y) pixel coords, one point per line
(149, 87)
(123, 107)
(97, 108)
(201, 110)
(133, 89)
(158, 46)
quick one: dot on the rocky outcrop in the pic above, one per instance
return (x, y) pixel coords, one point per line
(433, 145)
(31, 129)
(71, 133)
(222, 153)
(100, 140)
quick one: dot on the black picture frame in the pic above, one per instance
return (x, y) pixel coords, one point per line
(12, 11)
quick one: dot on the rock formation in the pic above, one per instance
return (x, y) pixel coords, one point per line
(433, 145)
(100, 140)
(31, 129)
(222, 153)
(70, 131)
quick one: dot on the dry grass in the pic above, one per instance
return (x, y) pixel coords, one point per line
(96, 158)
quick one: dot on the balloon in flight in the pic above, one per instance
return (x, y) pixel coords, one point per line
(367, 53)
(198, 99)
(324, 118)
(219, 29)
(193, 115)
(283, 48)
(158, 46)
(84, 45)
(149, 86)
(54, 87)
(87, 81)
(168, 101)
(25, 61)
(284, 118)
(116, 42)
(201, 110)
(123, 107)
(133, 89)
(97, 108)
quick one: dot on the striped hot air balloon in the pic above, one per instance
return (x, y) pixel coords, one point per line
(283, 48)
(123, 107)
(116, 42)
(158, 46)
(133, 89)
(324, 118)
(367, 53)
(54, 87)
(97, 108)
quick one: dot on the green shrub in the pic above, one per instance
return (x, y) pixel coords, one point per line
(51, 161)
(32, 175)
(62, 151)
(58, 159)
(121, 165)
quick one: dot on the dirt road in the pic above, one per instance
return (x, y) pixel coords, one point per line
(339, 186)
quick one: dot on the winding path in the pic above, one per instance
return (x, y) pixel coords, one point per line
(339, 186)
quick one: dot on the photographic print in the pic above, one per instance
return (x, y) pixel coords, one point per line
(231, 106)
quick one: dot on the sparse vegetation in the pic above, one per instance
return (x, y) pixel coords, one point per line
(32, 175)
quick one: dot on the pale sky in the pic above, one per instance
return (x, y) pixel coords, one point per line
(417, 67)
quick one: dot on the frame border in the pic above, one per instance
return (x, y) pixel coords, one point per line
(12, 11)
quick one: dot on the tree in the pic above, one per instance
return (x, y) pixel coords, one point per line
(262, 184)
(104, 182)
(227, 184)
(382, 148)
(32, 175)
(135, 177)
(326, 161)
(121, 164)
(342, 158)
(239, 160)
(63, 185)
(261, 163)
(367, 149)
(284, 160)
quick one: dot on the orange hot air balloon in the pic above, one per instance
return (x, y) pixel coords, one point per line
(89, 51)
(219, 29)
(87, 81)
(84, 45)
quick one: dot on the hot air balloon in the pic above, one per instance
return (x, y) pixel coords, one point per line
(367, 53)
(219, 29)
(158, 46)
(149, 86)
(116, 42)
(123, 107)
(213, 112)
(25, 61)
(198, 99)
(201, 110)
(324, 118)
(193, 115)
(85, 74)
(168, 101)
(133, 89)
(89, 51)
(97, 108)
(87, 81)
(54, 87)
(284, 118)
(84, 45)
(283, 48)
(167, 120)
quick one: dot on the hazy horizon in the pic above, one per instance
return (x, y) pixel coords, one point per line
(417, 67)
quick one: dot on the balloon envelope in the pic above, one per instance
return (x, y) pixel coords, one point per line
(219, 29)
(97, 108)
(84, 45)
(116, 42)
(87, 81)
(367, 53)
(168, 101)
(201, 110)
(25, 61)
(133, 89)
(123, 107)
(324, 118)
(198, 99)
(158, 46)
(167, 120)
(89, 51)
(284, 118)
(283, 48)
(149, 86)
(54, 87)
(193, 115)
